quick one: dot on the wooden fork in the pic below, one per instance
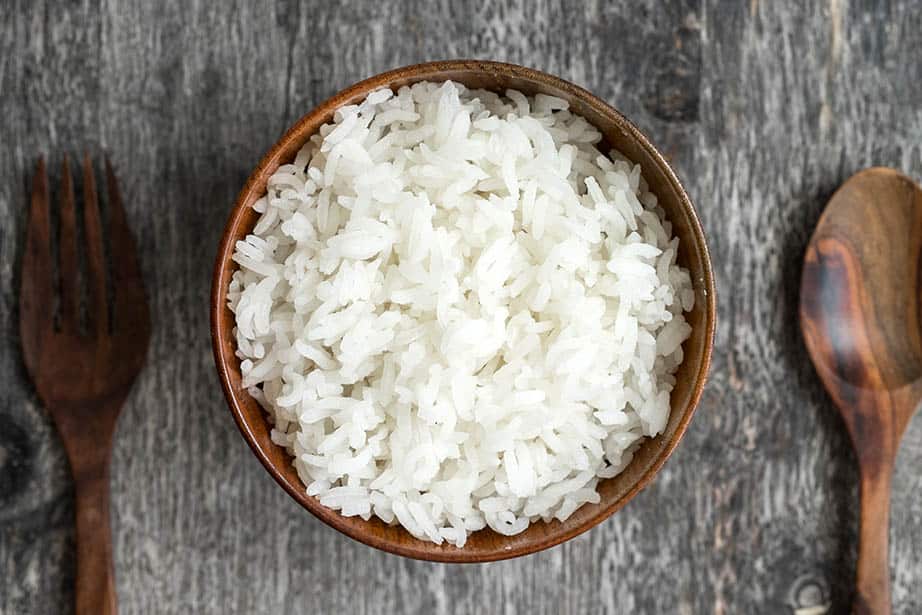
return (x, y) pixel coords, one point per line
(83, 377)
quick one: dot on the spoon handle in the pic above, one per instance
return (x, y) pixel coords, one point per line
(872, 596)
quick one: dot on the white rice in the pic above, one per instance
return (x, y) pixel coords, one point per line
(457, 312)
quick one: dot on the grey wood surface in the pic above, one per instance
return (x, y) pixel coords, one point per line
(764, 106)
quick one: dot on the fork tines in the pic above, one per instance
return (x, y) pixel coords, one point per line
(38, 288)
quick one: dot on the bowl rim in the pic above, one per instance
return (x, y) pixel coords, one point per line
(219, 312)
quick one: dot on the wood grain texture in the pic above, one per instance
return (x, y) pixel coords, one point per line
(764, 107)
(859, 313)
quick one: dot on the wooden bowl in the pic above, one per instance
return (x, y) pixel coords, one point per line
(619, 133)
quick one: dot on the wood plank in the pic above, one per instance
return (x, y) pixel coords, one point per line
(765, 107)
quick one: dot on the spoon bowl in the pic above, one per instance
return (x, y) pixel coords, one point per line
(860, 306)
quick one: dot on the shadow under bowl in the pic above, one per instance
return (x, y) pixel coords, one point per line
(620, 134)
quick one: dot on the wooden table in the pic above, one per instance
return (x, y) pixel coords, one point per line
(765, 107)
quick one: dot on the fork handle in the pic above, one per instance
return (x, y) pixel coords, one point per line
(95, 588)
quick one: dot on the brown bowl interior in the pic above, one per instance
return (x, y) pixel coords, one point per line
(615, 492)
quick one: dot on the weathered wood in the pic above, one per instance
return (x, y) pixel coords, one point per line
(765, 108)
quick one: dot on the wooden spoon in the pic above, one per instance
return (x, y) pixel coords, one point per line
(860, 314)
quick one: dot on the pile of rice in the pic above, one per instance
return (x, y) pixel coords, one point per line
(457, 312)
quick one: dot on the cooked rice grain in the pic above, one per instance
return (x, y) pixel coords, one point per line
(458, 312)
